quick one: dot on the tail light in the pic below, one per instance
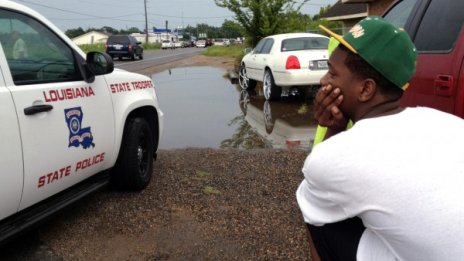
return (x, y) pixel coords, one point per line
(130, 46)
(292, 63)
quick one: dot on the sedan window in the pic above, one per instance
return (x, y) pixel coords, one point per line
(304, 43)
(267, 46)
(259, 47)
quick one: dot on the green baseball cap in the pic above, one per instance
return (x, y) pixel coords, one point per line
(386, 48)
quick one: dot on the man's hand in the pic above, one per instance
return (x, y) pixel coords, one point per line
(326, 110)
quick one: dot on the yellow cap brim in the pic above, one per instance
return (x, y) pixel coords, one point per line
(339, 38)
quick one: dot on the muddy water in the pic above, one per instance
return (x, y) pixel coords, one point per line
(204, 109)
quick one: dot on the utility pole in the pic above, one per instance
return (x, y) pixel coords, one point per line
(167, 35)
(146, 22)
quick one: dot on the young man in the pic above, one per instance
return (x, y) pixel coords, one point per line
(391, 187)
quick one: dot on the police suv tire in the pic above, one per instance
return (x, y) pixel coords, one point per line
(134, 166)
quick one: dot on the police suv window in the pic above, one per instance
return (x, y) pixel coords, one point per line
(34, 53)
(440, 26)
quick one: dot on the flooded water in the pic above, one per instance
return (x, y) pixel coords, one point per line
(204, 109)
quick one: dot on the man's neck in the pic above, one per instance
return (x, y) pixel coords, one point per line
(383, 108)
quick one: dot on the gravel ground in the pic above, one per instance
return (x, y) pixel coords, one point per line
(202, 204)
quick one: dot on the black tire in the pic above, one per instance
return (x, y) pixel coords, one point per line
(243, 80)
(132, 57)
(271, 91)
(134, 166)
(141, 56)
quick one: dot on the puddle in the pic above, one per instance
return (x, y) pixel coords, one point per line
(284, 124)
(204, 109)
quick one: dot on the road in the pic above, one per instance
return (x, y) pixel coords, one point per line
(156, 57)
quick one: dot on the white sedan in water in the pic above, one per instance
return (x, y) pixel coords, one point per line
(283, 61)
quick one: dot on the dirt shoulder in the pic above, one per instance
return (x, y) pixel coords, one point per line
(202, 204)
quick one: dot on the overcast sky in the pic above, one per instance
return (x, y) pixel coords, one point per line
(69, 14)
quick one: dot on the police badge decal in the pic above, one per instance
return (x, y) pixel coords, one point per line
(78, 135)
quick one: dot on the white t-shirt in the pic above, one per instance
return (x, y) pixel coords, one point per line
(403, 175)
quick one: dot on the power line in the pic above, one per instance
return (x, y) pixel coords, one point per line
(79, 13)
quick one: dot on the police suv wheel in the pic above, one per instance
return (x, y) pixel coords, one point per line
(134, 167)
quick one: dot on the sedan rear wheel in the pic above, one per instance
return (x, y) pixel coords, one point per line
(245, 82)
(271, 91)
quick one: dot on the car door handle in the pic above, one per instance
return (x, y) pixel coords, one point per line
(37, 108)
(443, 85)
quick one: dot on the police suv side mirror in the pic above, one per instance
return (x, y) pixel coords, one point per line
(99, 63)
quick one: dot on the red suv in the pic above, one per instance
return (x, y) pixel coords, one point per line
(436, 29)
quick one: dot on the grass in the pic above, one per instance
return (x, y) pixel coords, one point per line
(224, 51)
(235, 51)
(100, 47)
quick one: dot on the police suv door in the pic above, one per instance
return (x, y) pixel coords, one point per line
(11, 163)
(66, 124)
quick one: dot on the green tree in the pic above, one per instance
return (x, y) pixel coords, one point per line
(210, 31)
(71, 33)
(313, 26)
(261, 18)
(231, 29)
(296, 22)
(129, 31)
(108, 29)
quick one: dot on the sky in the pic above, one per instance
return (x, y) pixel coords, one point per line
(70, 14)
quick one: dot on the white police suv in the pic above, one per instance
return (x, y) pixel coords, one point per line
(70, 122)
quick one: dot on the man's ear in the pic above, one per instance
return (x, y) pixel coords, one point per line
(368, 90)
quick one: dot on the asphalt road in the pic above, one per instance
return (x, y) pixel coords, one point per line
(157, 57)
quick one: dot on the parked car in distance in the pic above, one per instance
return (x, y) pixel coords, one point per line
(438, 81)
(221, 42)
(124, 46)
(166, 44)
(186, 44)
(283, 61)
(200, 44)
(178, 44)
